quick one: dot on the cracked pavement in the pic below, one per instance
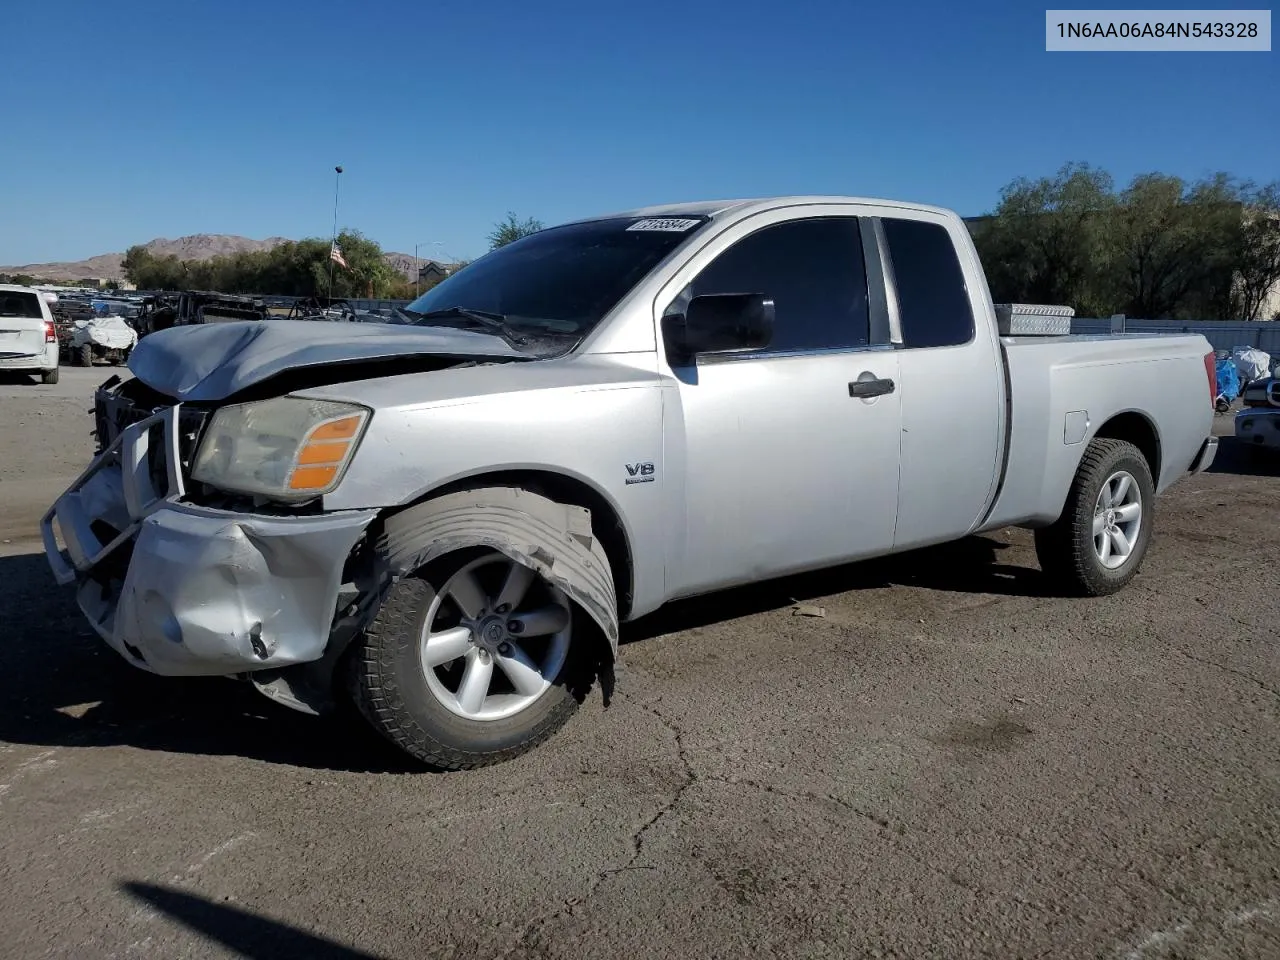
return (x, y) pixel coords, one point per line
(949, 764)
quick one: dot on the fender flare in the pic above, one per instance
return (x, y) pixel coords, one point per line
(553, 538)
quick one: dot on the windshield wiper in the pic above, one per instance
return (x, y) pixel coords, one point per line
(481, 318)
(495, 320)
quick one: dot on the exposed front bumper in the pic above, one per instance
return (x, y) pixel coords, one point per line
(1258, 427)
(185, 590)
(1204, 459)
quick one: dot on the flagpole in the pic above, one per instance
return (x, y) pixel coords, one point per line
(337, 177)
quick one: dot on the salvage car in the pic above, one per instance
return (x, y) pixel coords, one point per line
(28, 337)
(1258, 422)
(106, 337)
(194, 307)
(448, 520)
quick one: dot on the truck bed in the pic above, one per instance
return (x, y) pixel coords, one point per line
(1147, 379)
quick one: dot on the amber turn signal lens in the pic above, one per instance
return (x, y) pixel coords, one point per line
(343, 429)
(312, 478)
(323, 452)
(314, 453)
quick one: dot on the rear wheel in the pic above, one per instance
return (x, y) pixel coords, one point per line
(1098, 544)
(49, 376)
(86, 356)
(466, 663)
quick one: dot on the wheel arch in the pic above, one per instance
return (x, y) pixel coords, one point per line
(607, 523)
(371, 567)
(1132, 425)
(1138, 428)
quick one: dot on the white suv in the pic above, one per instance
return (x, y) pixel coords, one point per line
(28, 338)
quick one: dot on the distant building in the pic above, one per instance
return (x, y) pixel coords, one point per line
(432, 271)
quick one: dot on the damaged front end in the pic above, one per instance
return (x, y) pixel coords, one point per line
(181, 588)
(244, 572)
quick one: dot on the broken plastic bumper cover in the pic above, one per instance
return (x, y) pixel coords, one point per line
(184, 590)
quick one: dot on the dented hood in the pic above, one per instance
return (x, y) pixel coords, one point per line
(211, 361)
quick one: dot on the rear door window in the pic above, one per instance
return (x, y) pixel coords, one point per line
(933, 299)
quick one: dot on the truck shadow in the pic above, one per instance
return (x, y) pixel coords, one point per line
(972, 565)
(60, 685)
(1241, 459)
(247, 934)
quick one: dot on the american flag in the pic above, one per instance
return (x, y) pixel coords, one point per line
(336, 255)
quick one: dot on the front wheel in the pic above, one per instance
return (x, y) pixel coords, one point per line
(86, 355)
(466, 663)
(1097, 546)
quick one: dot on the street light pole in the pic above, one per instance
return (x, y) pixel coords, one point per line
(337, 177)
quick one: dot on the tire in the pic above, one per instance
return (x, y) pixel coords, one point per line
(86, 355)
(49, 376)
(392, 689)
(1067, 550)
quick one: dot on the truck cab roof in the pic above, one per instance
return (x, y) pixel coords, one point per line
(745, 206)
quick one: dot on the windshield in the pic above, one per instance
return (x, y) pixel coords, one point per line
(562, 279)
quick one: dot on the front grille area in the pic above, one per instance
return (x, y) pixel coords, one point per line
(114, 411)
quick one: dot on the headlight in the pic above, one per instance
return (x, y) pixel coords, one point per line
(287, 448)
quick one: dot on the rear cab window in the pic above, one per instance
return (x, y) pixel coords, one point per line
(933, 298)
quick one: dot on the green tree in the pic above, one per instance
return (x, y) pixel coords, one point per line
(1170, 246)
(1259, 266)
(146, 271)
(1042, 245)
(1161, 248)
(512, 229)
(366, 274)
(294, 268)
(1216, 209)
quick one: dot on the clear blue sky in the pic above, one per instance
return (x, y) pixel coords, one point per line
(155, 119)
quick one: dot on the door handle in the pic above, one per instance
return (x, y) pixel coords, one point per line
(870, 388)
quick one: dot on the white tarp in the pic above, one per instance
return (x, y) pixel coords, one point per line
(109, 332)
(1252, 363)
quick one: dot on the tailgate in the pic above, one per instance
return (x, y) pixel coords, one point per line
(21, 338)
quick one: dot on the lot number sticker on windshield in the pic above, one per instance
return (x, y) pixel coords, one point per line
(669, 224)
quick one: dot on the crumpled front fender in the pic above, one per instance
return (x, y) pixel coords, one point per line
(555, 539)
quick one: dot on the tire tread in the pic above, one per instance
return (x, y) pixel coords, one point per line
(1064, 548)
(373, 688)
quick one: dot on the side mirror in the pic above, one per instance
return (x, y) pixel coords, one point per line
(719, 322)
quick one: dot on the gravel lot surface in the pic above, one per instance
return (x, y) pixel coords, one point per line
(951, 763)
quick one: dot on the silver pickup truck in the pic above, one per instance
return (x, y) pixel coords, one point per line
(447, 518)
